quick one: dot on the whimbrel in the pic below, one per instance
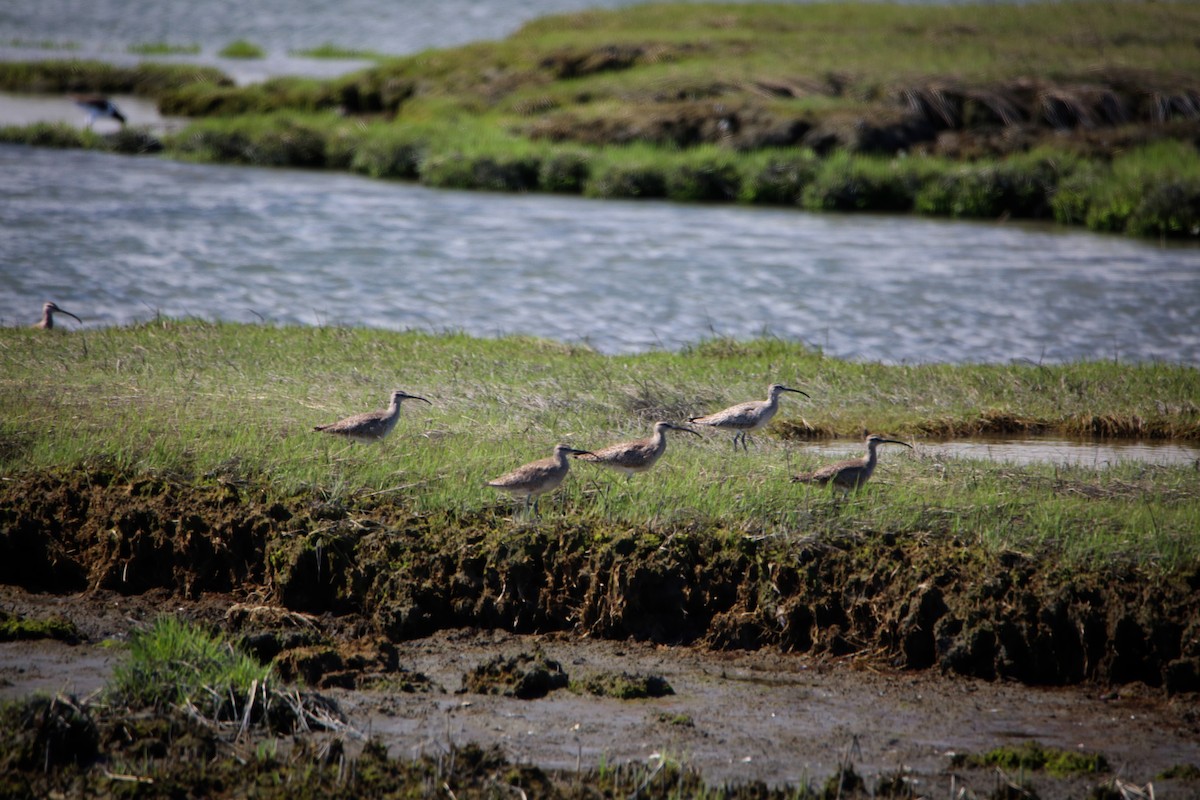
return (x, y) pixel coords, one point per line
(48, 312)
(852, 473)
(371, 426)
(638, 455)
(98, 107)
(745, 418)
(537, 477)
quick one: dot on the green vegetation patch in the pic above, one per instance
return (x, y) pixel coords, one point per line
(333, 51)
(241, 48)
(148, 79)
(163, 49)
(1029, 110)
(176, 664)
(14, 627)
(625, 686)
(1033, 756)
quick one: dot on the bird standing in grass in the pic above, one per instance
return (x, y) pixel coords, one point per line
(537, 477)
(48, 312)
(851, 474)
(98, 107)
(372, 426)
(746, 418)
(638, 455)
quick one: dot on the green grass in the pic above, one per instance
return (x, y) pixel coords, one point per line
(239, 402)
(175, 664)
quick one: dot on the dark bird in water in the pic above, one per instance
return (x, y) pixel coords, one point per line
(371, 426)
(98, 107)
(48, 312)
(852, 473)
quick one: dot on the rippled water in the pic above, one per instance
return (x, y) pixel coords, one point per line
(1032, 450)
(116, 239)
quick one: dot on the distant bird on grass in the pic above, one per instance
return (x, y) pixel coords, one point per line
(372, 426)
(746, 418)
(48, 312)
(537, 477)
(98, 107)
(851, 474)
(638, 455)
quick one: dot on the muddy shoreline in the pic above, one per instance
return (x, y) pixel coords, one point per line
(736, 717)
(782, 664)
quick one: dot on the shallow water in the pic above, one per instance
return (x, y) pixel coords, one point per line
(117, 239)
(1096, 454)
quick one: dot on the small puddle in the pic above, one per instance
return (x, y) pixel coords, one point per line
(1045, 450)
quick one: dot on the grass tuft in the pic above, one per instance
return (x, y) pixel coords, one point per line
(176, 664)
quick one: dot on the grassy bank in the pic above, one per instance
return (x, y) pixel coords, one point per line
(233, 402)
(1081, 112)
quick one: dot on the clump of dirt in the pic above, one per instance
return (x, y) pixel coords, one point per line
(915, 599)
(525, 675)
(625, 686)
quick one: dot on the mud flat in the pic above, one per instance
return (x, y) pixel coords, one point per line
(735, 717)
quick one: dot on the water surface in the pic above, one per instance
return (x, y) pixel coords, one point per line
(1022, 450)
(117, 239)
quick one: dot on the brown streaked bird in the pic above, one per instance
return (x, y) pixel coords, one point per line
(746, 418)
(48, 312)
(851, 474)
(371, 426)
(537, 477)
(98, 107)
(638, 455)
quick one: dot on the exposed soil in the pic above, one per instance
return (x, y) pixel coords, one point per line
(567, 648)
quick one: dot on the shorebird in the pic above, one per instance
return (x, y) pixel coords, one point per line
(537, 477)
(638, 455)
(48, 312)
(371, 426)
(98, 107)
(852, 473)
(745, 418)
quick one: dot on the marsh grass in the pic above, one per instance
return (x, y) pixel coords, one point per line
(1083, 112)
(74, 75)
(333, 51)
(241, 48)
(163, 49)
(213, 402)
(174, 663)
